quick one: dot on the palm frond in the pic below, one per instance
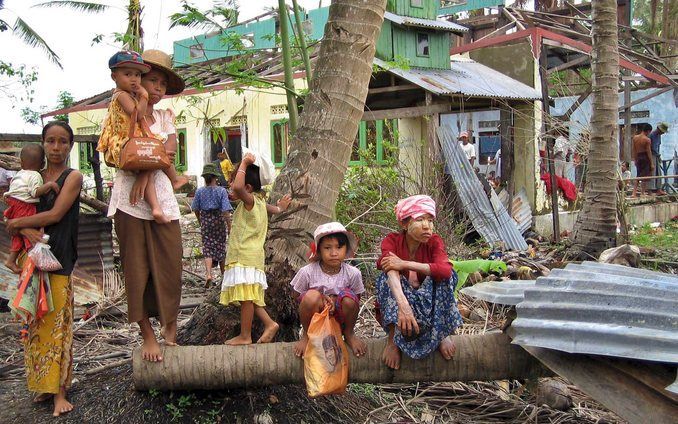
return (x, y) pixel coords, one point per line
(29, 36)
(80, 6)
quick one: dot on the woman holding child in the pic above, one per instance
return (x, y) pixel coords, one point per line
(150, 251)
(416, 288)
(49, 344)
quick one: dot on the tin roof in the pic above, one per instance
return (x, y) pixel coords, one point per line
(424, 23)
(465, 77)
(488, 216)
(521, 212)
(602, 309)
(501, 292)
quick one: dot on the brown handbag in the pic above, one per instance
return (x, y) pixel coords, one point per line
(142, 153)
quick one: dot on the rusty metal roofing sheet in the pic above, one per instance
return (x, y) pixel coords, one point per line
(95, 256)
(501, 292)
(488, 216)
(465, 77)
(602, 309)
(521, 211)
(424, 23)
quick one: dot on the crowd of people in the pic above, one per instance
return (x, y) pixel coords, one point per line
(416, 303)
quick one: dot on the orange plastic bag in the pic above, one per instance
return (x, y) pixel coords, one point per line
(326, 357)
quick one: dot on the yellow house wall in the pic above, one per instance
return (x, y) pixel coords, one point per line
(195, 109)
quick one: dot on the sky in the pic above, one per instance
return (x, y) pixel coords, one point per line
(70, 35)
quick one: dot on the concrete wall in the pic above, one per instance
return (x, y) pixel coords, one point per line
(515, 60)
(637, 215)
(413, 151)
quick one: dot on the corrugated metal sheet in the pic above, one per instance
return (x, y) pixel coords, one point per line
(95, 256)
(521, 212)
(488, 215)
(424, 23)
(465, 77)
(602, 309)
(501, 292)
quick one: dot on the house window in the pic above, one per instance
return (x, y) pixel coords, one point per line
(417, 3)
(422, 44)
(375, 142)
(85, 155)
(280, 133)
(180, 159)
(489, 144)
(196, 51)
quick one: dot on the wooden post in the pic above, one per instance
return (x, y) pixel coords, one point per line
(287, 64)
(507, 155)
(543, 64)
(626, 146)
(301, 40)
(96, 170)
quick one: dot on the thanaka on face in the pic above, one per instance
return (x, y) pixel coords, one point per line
(420, 229)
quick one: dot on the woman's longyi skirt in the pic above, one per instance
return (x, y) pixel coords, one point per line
(48, 349)
(151, 263)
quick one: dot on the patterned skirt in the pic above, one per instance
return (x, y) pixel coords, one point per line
(438, 322)
(49, 346)
(213, 231)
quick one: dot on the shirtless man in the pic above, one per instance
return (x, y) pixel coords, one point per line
(642, 155)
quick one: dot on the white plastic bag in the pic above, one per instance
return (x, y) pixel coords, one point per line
(43, 257)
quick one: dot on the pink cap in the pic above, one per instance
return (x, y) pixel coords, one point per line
(463, 134)
(332, 228)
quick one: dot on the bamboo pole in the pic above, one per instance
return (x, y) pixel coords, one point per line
(478, 357)
(301, 40)
(287, 64)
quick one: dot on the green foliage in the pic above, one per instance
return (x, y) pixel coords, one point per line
(10, 76)
(32, 116)
(664, 239)
(399, 62)
(221, 15)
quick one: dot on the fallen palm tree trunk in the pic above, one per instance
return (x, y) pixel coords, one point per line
(478, 357)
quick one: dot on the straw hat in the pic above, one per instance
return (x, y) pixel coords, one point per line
(663, 127)
(162, 62)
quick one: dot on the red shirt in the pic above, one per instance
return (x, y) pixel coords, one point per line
(432, 253)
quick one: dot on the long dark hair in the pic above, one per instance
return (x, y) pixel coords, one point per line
(61, 124)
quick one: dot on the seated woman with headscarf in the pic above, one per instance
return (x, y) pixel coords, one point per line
(415, 291)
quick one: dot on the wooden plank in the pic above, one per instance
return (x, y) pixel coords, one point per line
(406, 112)
(570, 64)
(576, 104)
(392, 89)
(37, 138)
(645, 98)
(623, 393)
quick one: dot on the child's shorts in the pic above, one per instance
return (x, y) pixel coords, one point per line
(338, 309)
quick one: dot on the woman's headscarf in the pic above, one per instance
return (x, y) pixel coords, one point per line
(414, 207)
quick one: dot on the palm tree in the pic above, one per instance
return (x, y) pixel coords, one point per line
(596, 229)
(25, 33)
(133, 35)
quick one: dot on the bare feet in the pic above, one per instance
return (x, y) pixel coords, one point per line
(150, 350)
(269, 333)
(208, 283)
(391, 355)
(447, 348)
(61, 404)
(169, 333)
(300, 346)
(159, 216)
(239, 341)
(42, 397)
(356, 344)
(181, 181)
(13, 267)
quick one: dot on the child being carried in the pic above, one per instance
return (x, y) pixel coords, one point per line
(130, 96)
(24, 191)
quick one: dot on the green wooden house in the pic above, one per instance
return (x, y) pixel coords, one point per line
(412, 33)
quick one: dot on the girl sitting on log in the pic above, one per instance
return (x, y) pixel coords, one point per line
(415, 291)
(244, 279)
(329, 281)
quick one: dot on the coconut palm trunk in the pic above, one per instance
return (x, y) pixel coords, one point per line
(595, 229)
(317, 159)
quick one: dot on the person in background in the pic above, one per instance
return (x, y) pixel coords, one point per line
(656, 143)
(5, 178)
(468, 148)
(211, 207)
(624, 184)
(642, 155)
